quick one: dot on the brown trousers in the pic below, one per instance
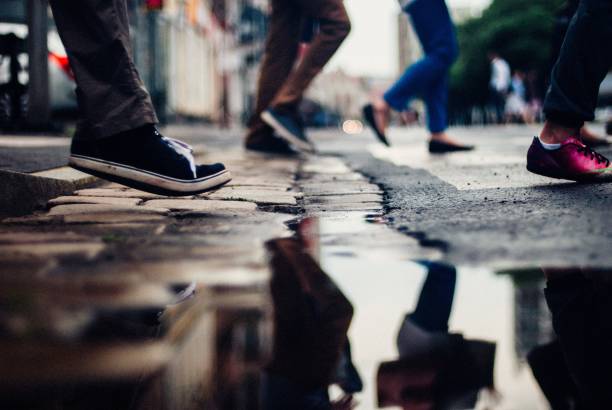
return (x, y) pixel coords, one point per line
(282, 84)
(111, 96)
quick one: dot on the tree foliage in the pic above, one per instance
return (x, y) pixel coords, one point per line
(519, 30)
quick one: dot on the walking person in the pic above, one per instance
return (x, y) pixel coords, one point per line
(562, 23)
(499, 85)
(276, 125)
(583, 63)
(117, 138)
(426, 79)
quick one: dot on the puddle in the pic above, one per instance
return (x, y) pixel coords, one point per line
(469, 339)
(353, 308)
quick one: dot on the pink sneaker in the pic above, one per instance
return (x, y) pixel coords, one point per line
(574, 161)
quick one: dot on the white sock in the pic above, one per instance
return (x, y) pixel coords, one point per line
(549, 147)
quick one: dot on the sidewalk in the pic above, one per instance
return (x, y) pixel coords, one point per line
(99, 287)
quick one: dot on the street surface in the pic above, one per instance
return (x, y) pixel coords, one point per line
(482, 207)
(182, 303)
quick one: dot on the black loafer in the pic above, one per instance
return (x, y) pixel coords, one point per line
(438, 147)
(144, 159)
(368, 116)
(271, 145)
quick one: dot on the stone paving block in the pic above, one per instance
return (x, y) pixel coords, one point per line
(40, 237)
(339, 189)
(205, 272)
(79, 199)
(88, 250)
(114, 218)
(116, 193)
(326, 165)
(331, 177)
(276, 183)
(32, 220)
(202, 205)
(344, 199)
(75, 209)
(257, 196)
(374, 206)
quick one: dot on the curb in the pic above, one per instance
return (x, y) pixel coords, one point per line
(20, 193)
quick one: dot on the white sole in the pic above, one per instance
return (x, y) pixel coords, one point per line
(127, 174)
(285, 134)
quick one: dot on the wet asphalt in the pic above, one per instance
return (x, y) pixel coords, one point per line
(483, 208)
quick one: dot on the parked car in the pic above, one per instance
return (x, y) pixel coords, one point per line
(61, 79)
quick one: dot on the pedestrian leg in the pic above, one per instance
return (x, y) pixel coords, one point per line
(334, 26)
(280, 55)
(111, 96)
(584, 60)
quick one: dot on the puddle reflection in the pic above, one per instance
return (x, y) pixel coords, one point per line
(344, 323)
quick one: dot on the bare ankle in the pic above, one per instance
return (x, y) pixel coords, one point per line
(555, 134)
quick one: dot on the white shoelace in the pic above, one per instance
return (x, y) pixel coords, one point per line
(185, 150)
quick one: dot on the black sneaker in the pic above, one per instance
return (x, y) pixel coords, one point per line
(438, 147)
(144, 159)
(272, 145)
(289, 128)
(368, 116)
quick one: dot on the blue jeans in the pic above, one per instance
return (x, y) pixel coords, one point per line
(428, 78)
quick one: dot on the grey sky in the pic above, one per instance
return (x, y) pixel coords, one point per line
(371, 49)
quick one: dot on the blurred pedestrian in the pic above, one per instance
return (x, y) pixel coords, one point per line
(117, 138)
(517, 109)
(583, 63)
(276, 125)
(499, 84)
(426, 79)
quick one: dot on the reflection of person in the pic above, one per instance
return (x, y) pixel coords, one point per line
(435, 369)
(582, 65)
(282, 83)
(311, 320)
(117, 139)
(581, 304)
(499, 84)
(426, 79)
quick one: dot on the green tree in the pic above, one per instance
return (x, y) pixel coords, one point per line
(519, 30)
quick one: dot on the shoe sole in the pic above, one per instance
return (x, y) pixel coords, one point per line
(148, 181)
(604, 176)
(285, 134)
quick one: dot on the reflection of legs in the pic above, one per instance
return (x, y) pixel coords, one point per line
(436, 300)
(334, 26)
(436, 100)
(111, 95)
(312, 317)
(279, 58)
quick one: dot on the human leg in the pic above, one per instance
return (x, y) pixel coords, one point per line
(280, 55)
(583, 63)
(334, 27)
(112, 98)
(117, 139)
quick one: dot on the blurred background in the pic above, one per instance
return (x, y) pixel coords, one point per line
(200, 58)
